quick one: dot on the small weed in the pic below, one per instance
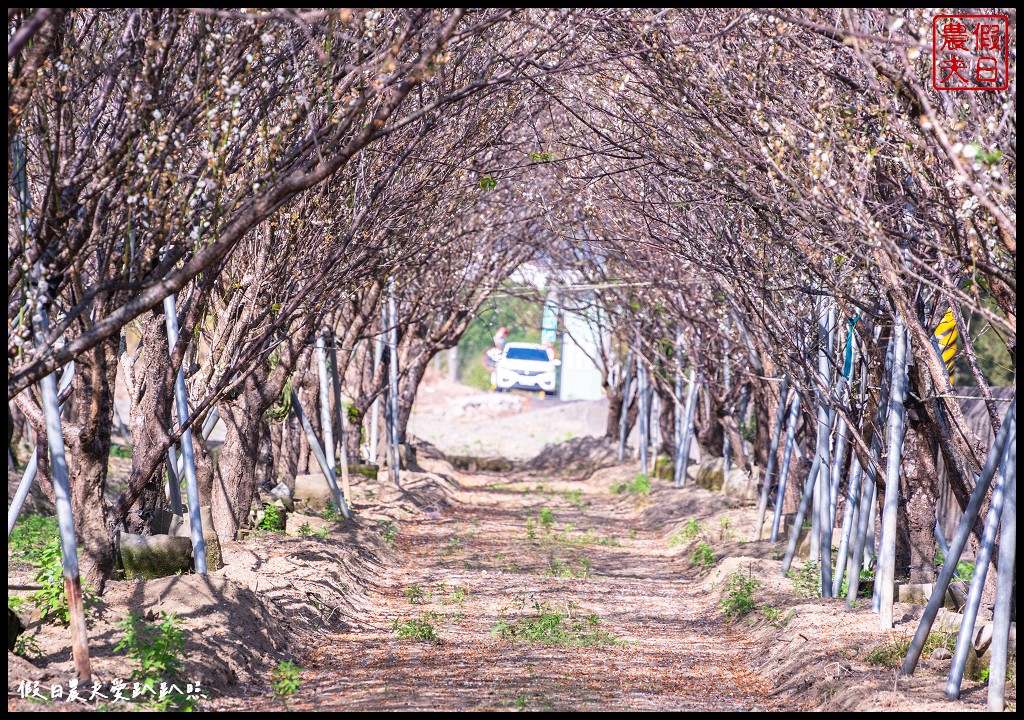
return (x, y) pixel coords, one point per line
(725, 529)
(305, 530)
(452, 596)
(369, 495)
(806, 580)
(454, 545)
(687, 533)
(388, 531)
(273, 518)
(119, 451)
(531, 531)
(285, 680)
(322, 533)
(520, 702)
(416, 595)
(415, 629)
(544, 625)
(891, 654)
(739, 596)
(575, 497)
(559, 568)
(27, 646)
(331, 512)
(703, 555)
(159, 652)
(639, 486)
(546, 518)
(632, 534)
(775, 617)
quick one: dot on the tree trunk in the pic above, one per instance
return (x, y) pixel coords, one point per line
(915, 543)
(666, 423)
(235, 481)
(89, 446)
(147, 420)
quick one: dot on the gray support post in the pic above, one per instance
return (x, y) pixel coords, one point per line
(852, 499)
(210, 422)
(655, 422)
(624, 412)
(642, 398)
(678, 411)
(21, 494)
(181, 403)
(1004, 586)
(378, 352)
(965, 637)
(66, 525)
(885, 575)
(823, 490)
(691, 407)
(773, 451)
(318, 453)
(393, 460)
(787, 454)
(959, 541)
(326, 421)
(346, 488)
(727, 379)
(175, 467)
(798, 521)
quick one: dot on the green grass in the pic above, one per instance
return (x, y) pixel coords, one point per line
(158, 651)
(416, 595)
(579, 568)
(703, 555)
(639, 486)
(739, 596)
(415, 629)
(544, 625)
(274, 518)
(35, 541)
(687, 533)
(30, 534)
(119, 451)
(331, 512)
(893, 653)
(388, 531)
(806, 580)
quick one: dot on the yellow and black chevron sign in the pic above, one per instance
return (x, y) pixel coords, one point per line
(946, 335)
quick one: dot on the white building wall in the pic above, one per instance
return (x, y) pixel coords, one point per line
(580, 378)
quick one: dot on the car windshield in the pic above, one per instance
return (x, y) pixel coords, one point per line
(522, 353)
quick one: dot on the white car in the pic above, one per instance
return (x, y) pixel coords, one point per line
(526, 366)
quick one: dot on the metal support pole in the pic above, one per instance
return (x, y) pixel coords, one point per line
(378, 352)
(727, 378)
(773, 452)
(346, 488)
(1007, 433)
(643, 398)
(624, 411)
(852, 499)
(691, 407)
(885, 575)
(1004, 586)
(396, 439)
(181, 402)
(326, 421)
(824, 519)
(787, 454)
(965, 637)
(21, 494)
(321, 459)
(55, 443)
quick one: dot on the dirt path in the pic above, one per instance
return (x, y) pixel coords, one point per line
(495, 556)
